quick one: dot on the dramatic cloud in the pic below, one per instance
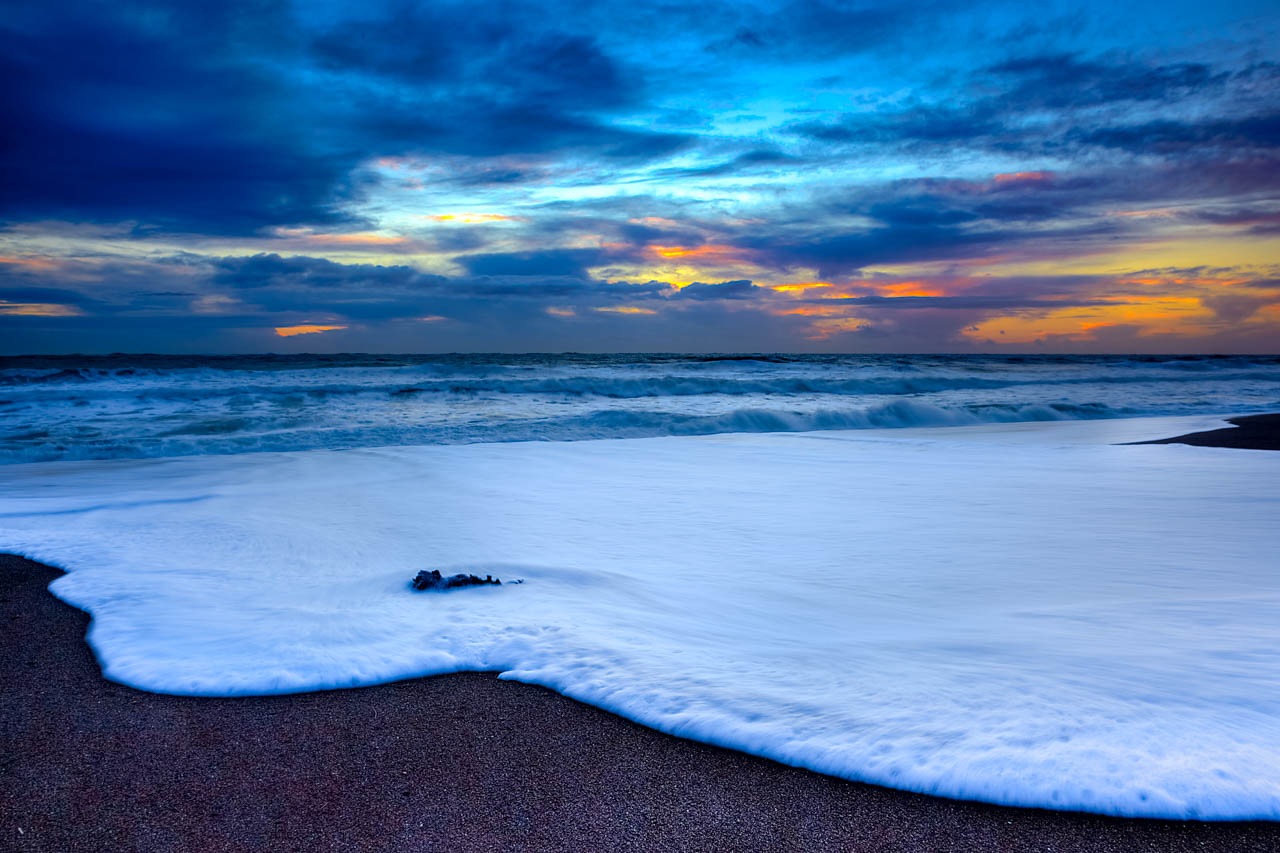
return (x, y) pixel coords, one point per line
(1062, 104)
(204, 117)
(567, 262)
(790, 175)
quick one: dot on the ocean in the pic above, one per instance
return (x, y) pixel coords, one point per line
(76, 407)
(947, 574)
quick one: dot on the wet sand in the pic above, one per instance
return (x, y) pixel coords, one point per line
(453, 763)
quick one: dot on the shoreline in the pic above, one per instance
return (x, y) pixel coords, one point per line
(458, 762)
(1250, 432)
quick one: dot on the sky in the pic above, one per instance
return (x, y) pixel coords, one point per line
(757, 176)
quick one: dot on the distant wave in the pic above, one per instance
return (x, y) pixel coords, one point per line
(901, 413)
(685, 386)
(76, 407)
(130, 384)
(238, 435)
(36, 370)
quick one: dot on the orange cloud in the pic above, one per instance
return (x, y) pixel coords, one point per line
(1197, 281)
(799, 287)
(694, 252)
(823, 329)
(817, 310)
(290, 331)
(31, 263)
(38, 309)
(469, 218)
(911, 288)
(562, 312)
(626, 309)
(1023, 177)
(1166, 315)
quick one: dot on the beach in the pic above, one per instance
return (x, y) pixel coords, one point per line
(447, 426)
(456, 762)
(963, 624)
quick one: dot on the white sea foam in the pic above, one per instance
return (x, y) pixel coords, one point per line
(1024, 613)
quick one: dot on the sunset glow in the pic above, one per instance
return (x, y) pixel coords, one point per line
(291, 331)
(772, 180)
(38, 309)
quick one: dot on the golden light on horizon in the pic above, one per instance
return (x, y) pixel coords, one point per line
(815, 311)
(799, 287)
(30, 263)
(911, 288)
(38, 309)
(625, 309)
(1160, 316)
(291, 331)
(472, 218)
(355, 239)
(692, 251)
(359, 238)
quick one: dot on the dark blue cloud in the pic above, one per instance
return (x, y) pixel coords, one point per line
(840, 253)
(566, 262)
(1188, 137)
(47, 295)
(919, 124)
(271, 270)
(114, 113)
(273, 282)
(750, 161)
(1055, 81)
(818, 28)
(741, 289)
(1060, 103)
(227, 119)
(640, 234)
(924, 210)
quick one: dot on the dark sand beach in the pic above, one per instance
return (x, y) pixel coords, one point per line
(1252, 432)
(456, 762)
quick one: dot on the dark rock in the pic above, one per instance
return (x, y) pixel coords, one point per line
(434, 580)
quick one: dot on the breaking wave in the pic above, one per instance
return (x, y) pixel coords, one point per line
(75, 407)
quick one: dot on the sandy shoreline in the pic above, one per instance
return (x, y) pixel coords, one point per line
(457, 762)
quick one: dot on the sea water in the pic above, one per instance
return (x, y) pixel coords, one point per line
(76, 407)
(1030, 613)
